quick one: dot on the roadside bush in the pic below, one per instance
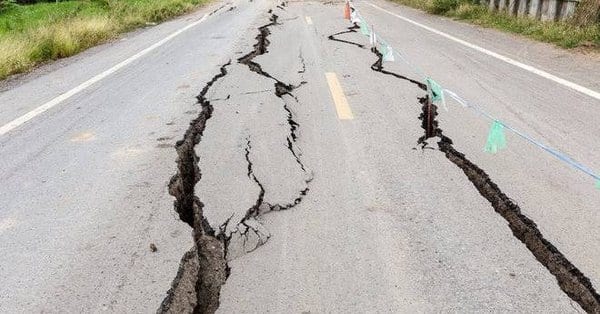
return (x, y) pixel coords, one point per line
(32, 34)
(443, 6)
(32, 1)
(4, 4)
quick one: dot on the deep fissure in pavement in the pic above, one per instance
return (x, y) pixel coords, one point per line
(204, 269)
(249, 229)
(570, 279)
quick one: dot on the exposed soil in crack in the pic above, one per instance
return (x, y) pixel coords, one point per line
(570, 279)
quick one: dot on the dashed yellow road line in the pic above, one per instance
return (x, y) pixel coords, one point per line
(341, 104)
(309, 20)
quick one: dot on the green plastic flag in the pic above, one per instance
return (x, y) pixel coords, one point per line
(436, 92)
(383, 48)
(364, 28)
(496, 139)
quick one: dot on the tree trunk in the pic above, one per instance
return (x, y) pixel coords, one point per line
(587, 12)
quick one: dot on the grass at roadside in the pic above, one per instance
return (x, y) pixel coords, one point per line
(31, 34)
(559, 33)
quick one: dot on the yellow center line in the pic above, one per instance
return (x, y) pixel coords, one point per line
(341, 104)
(308, 20)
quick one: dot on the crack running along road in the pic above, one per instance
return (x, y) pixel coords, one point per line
(211, 249)
(571, 280)
(384, 227)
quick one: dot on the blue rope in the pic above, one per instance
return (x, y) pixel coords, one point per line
(560, 156)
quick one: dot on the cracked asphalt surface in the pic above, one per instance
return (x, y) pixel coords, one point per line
(279, 205)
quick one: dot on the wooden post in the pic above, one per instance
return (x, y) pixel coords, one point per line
(502, 5)
(512, 6)
(569, 10)
(522, 10)
(550, 14)
(535, 8)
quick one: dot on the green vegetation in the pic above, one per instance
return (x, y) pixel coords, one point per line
(560, 33)
(31, 34)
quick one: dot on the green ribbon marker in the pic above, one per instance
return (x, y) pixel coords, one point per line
(496, 139)
(383, 49)
(364, 28)
(436, 92)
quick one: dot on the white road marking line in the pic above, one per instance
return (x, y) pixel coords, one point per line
(60, 98)
(544, 74)
(309, 20)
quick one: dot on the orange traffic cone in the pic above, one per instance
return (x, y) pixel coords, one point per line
(347, 11)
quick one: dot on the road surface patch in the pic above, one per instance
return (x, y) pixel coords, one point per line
(339, 99)
(83, 137)
(7, 223)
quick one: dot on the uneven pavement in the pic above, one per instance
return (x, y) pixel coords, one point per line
(283, 204)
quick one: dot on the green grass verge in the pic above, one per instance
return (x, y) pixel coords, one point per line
(559, 33)
(32, 34)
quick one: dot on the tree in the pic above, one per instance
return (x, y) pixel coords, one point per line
(587, 12)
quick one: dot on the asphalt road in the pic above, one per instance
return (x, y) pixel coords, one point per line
(310, 172)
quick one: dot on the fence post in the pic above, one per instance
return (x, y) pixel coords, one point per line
(501, 5)
(535, 8)
(569, 9)
(522, 11)
(552, 10)
(512, 6)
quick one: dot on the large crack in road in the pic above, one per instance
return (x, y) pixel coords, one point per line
(204, 269)
(249, 229)
(569, 278)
